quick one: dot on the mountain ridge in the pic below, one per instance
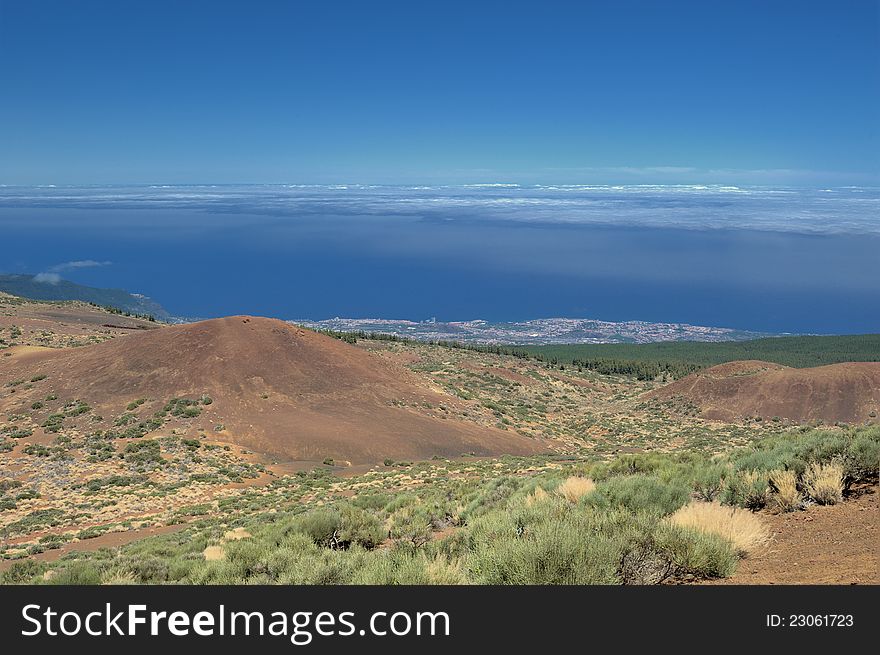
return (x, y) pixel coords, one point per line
(28, 286)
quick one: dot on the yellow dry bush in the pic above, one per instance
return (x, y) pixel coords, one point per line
(115, 577)
(536, 496)
(443, 571)
(787, 497)
(214, 553)
(744, 529)
(824, 482)
(236, 534)
(756, 489)
(575, 488)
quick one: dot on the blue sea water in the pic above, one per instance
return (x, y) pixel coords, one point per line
(770, 259)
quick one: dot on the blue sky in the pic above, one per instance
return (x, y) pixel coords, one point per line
(379, 92)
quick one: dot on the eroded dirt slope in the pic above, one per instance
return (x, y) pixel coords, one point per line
(275, 388)
(848, 392)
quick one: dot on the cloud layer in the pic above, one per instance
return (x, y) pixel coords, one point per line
(839, 210)
(52, 275)
(82, 263)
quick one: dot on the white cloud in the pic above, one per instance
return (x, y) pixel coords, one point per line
(47, 278)
(81, 263)
(51, 275)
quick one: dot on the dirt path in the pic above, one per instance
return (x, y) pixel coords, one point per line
(107, 540)
(838, 544)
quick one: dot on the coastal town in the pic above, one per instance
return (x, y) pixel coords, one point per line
(543, 331)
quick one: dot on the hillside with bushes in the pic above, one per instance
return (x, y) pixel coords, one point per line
(633, 519)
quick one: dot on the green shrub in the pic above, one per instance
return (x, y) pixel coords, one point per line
(553, 542)
(37, 450)
(697, 553)
(340, 527)
(640, 493)
(183, 407)
(708, 481)
(629, 464)
(147, 451)
(125, 419)
(76, 408)
(293, 560)
(53, 423)
(749, 489)
(40, 518)
(371, 501)
(782, 457)
(491, 495)
(862, 458)
(77, 573)
(792, 451)
(404, 567)
(91, 532)
(411, 525)
(98, 447)
(549, 543)
(150, 569)
(23, 571)
(400, 501)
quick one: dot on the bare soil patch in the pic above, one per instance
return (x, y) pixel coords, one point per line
(836, 544)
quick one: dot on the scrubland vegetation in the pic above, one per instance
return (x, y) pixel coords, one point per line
(634, 489)
(631, 519)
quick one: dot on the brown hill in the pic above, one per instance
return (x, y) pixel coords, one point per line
(275, 389)
(847, 392)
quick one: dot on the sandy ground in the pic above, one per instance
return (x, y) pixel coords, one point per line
(838, 544)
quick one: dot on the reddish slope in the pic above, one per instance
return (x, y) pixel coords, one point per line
(277, 389)
(847, 392)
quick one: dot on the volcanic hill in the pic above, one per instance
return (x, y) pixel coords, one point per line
(274, 388)
(848, 392)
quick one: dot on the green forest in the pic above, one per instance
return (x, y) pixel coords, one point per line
(675, 359)
(678, 358)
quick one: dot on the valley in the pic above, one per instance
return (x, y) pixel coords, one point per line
(114, 429)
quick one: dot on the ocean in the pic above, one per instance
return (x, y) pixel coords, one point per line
(765, 259)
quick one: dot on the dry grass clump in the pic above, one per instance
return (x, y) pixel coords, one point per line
(824, 482)
(115, 577)
(214, 553)
(443, 571)
(788, 497)
(236, 534)
(537, 496)
(746, 531)
(575, 488)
